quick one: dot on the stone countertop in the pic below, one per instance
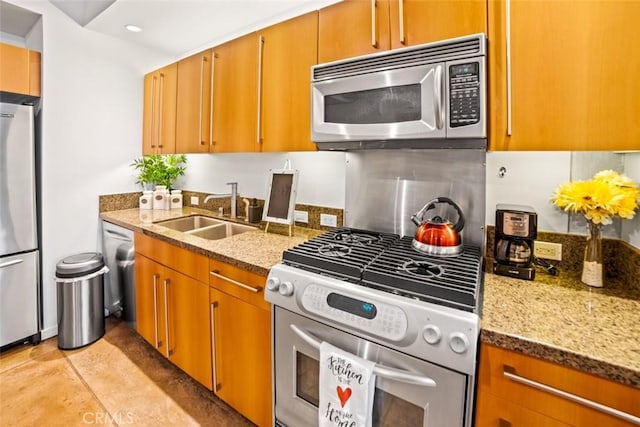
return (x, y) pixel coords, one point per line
(564, 321)
(255, 251)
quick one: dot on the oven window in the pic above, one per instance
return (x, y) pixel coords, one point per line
(386, 105)
(388, 409)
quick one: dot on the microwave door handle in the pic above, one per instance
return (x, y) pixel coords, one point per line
(438, 96)
(378, 370)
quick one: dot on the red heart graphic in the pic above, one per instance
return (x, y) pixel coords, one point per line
(344, 395)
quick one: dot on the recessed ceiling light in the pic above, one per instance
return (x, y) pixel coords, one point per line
(133, 28)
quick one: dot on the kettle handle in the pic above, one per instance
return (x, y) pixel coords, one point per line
(417, 218)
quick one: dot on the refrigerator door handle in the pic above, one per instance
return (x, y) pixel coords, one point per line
(10, 263)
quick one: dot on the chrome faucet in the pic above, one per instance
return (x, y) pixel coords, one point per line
(233, 195)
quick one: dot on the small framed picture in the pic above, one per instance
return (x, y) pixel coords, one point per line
(281, 200)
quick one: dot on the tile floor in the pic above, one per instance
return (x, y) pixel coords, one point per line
(119, 380)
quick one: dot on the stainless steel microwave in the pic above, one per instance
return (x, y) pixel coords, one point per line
(426, 96)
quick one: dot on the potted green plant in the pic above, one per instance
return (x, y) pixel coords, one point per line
(159, 169)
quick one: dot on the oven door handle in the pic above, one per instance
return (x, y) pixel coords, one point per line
(379, 370)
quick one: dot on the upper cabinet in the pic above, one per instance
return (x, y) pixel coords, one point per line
(415, 22)
(358, 27)
(19, 70)
(235, 95)
(289, 49)
(194, 114)
(159, 112)
(565, 77)
(352, 28)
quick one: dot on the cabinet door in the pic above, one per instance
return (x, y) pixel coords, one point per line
(188, 324)
(235, 105)
(35, 74)
(194, 104)
(352, 28)
(574, 75)
(159, 111)
(492, 411)
(242, 337)
(415, 22)
(14, 69)
(149, 301)
(289, 51)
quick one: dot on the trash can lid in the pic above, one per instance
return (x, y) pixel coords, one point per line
(79, 264)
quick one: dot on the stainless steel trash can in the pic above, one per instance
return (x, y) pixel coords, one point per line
(80, 290)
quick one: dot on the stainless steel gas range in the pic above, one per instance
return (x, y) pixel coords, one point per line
(371, 294)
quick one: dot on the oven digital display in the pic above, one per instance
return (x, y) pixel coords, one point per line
(352, 305)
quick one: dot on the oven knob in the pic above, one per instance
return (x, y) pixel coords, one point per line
(458, 342)
(273, 283)
(432, 334)
(286, 289)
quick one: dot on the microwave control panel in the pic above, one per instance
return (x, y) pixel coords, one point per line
(464, 94)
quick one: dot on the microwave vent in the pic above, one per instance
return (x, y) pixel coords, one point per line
(401, 58)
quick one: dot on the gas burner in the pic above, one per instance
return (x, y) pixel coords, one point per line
(334, 250)
(422, 268)
(355, 238)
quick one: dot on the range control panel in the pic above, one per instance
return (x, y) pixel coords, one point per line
(464, 94)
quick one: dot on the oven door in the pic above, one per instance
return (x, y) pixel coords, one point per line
(406, 103)
(412, 393)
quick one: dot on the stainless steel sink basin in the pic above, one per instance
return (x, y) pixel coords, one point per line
(226, 229)
(190, 223)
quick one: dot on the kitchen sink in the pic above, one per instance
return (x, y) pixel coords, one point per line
(221, 231)
(190, 223)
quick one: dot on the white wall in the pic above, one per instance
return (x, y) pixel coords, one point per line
(91, 131)
(631, 229)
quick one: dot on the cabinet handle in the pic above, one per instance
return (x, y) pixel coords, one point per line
(155, 308)
(439, 108)
(242, 285)
(213, 63)
(160, 109)
(259, 121)
(374, 40)
(507, 30)
(401, 20)
(166, 317)
(200, 141)
(510, 373)
(503, 423)
(216, 387)
(153, 109)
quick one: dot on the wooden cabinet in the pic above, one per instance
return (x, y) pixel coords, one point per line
(194, 113)
(159, 111)
(241, 335)
(19, 70)
(352, 28)
(415, 22)
(172, 307)
(358, 27)
(573, 72)
(289, 50)
(519, 390)
(235, 95)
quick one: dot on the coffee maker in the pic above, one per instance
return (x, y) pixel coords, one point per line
(516, 230)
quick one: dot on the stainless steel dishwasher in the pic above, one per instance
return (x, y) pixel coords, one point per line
(119, 285)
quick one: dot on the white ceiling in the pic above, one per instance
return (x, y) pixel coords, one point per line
(181, 27)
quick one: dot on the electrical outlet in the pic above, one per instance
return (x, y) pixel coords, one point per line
(328, 220)
(547, 250)
(195, 200)
(301, 216)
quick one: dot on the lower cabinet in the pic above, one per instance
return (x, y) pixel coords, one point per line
(241, 335)
(519, 390)
(172, 312)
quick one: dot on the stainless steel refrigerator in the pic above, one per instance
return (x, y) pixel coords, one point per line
(19, 257)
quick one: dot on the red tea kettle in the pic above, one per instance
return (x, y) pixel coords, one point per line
(436, 236)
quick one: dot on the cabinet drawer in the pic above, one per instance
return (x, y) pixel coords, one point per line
(503, 373)
(240, 283)
(492, 411)
(186, 262)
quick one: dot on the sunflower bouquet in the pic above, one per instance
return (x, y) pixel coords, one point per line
(606, 196)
